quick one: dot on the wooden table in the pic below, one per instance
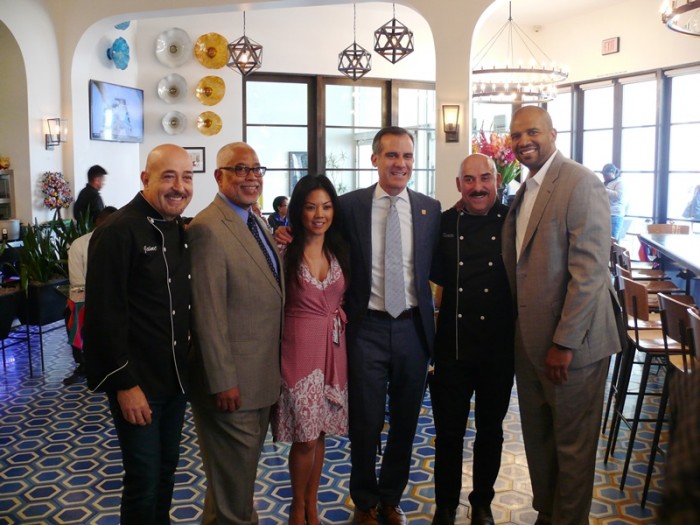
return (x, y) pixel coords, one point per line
(681, 250)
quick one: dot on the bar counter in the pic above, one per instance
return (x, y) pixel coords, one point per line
(684, 250)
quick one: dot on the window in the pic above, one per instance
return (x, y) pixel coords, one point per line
(638, 145)
(684, 169)
(301, 125)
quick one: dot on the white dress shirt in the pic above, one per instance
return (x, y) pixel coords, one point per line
(77, 260)
(532, 188)
(380, 212)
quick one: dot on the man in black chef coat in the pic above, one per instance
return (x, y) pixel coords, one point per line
(474, 342)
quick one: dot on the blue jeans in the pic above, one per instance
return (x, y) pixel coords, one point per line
(617, 221)
(150, 455)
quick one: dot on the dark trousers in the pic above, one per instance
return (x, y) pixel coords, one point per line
(451, 390)
(150, 455)
(387, 356)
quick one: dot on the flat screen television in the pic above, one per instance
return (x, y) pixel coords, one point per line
(116, 112)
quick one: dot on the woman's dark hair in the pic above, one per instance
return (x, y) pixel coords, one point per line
(333, 243)
(278, 202)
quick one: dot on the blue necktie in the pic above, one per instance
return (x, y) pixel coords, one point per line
(253, 227)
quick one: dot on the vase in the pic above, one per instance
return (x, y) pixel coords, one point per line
(42, 304)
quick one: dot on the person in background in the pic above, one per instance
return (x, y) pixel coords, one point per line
(473, 353)
(238, 298)
(314, 398)
(136, 331)
(77, 268)
(615, 189)
(279, 217)
(692, 210)
(556, 245)
(89, 200)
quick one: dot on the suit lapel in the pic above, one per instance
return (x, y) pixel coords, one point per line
(363, 224)
(240, 231)
(543, 196)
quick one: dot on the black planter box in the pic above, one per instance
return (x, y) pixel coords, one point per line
(8, 310)
(43, 304)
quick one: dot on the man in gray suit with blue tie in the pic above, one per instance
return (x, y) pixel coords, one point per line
(556, 242)
(238, 295)
(392, 232)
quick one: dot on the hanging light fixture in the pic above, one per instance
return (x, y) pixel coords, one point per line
(393, 40)
(354, 61)
(508, 83)
(682, 16)
(246, 54)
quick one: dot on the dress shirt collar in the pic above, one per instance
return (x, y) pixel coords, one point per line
(242, 212)
(379, 193)
(539, 176)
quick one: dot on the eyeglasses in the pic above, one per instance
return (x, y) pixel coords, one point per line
(242, 171)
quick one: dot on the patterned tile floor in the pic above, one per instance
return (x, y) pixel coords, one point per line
(60, 462)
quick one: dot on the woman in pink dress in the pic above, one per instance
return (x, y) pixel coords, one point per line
(314, 397)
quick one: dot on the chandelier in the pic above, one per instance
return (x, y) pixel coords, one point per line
(393, 40)
(509, 83)
(354, 61)
(246, 54)
(682, 16)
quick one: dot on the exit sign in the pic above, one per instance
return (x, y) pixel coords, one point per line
(611, 45)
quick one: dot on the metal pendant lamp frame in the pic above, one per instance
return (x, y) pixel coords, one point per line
(246, 54)
(354, 61)
(682, 16)
(393, 40)
(509, 83)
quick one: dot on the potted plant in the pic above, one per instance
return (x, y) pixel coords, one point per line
(42, 269)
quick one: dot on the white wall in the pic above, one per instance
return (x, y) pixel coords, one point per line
(121, 160)
(24, 139)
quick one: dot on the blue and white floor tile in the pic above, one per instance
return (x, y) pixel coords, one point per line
(60, 461)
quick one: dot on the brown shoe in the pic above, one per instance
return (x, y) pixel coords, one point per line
(392, 515)
(365, 517)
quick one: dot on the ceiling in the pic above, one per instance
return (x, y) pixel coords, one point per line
(529, 13)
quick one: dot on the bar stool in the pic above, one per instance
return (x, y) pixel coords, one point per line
(647, 342)
(674, 316)
(652, 322)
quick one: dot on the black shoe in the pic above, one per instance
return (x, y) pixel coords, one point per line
(481, 515)
(444, 516)
(77, 375)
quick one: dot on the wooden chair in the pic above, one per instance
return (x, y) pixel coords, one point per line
(652, 287)
(616, 257)
(683, 229)
(675, 321)
(694, 323)
(651, 344)
(649, 274)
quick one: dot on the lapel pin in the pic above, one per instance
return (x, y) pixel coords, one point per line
(423, 212)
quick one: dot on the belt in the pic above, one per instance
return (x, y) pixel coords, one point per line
(381, 314)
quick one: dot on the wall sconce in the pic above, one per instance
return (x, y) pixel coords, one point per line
(450, 122)
(56, 132)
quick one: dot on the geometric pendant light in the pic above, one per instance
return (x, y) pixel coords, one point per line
(354, 61)
(393, 40)
(246, 54)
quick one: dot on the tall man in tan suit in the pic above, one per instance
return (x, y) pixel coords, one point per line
(556, 241)
(238, 294)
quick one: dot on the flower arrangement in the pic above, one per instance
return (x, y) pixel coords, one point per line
(56, 190)
(499, 148)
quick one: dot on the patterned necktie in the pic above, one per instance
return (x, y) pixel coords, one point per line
(394, 288)
(253, 227)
